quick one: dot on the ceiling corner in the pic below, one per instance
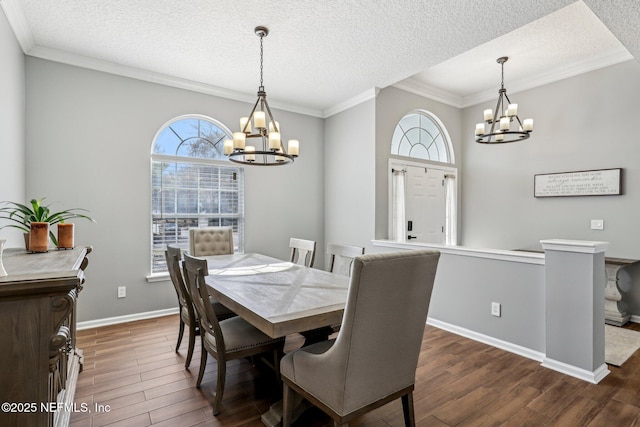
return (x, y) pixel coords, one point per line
(19, 24)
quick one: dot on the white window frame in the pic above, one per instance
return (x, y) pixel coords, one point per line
(400, 162)
(443, 131)
(155, 157)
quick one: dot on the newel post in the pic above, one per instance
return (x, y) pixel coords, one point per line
(575, 279)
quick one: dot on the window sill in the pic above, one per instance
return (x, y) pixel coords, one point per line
(158, 277)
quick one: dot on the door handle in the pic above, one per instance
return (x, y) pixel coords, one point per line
(412, 237)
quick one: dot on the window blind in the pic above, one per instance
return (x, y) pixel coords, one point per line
(189, 194)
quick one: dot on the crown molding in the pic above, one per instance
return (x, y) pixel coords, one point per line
(351, 102)
(421, 88)
(417, 87)
(159, 78)
(19, 24)
(606, 59)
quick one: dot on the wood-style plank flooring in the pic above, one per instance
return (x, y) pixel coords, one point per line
(133, 368)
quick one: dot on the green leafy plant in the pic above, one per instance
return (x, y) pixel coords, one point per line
(23, 215)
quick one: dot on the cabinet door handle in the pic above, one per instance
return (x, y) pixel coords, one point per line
(412, 237)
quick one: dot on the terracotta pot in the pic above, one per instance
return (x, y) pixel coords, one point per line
(65, 236)
(39, 237)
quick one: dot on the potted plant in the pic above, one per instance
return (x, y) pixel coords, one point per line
(22, 216)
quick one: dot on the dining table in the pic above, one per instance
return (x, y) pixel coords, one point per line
(279, 298)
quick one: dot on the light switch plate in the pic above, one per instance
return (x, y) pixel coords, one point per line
(597, 224)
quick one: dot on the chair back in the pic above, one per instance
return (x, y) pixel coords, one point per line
(173, 255)
(341, 257)
(303, 252)
(385, 315)
(210, 241)
(194, 271)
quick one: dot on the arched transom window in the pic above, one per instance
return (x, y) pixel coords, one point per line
(421, 135)
(192, 136)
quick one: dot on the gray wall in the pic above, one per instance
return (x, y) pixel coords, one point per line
(88, 145)
(391, 105)
(465, 287)
(349, 174)
(12, 123)
(584, 122)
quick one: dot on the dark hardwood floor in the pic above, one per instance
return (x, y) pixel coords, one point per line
(133, 369)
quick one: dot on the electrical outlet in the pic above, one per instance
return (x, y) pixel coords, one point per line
(597, 224)
(122, 291)
(495, 309)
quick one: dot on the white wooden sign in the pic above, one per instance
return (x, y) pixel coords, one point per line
(603, 182)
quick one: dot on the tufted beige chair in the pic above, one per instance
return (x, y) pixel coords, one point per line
(188, 316)
(373, 360)
(228, 339)
(210, 241)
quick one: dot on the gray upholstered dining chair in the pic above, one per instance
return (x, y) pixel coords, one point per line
(188, 316)
(208, 241)
(228, 339)
(303, 252)
(341, 257)
(374, 357)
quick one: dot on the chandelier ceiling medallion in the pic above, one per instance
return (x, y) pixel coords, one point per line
(503, 118)
(261, 128)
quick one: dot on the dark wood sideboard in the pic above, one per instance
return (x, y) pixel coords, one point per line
(39, 361)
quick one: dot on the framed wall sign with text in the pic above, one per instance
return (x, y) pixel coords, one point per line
(602, 182)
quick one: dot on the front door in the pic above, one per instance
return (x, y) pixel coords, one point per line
(425, 205)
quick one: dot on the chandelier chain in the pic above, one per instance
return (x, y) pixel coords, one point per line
(261, 54)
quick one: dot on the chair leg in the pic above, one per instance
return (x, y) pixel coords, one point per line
(192, 344)
(407, 409)
(180, 334)
(222, 375)
(203, 364)
(287, 405)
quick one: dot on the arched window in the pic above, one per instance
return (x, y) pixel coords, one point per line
(192, 185)
(421, 135)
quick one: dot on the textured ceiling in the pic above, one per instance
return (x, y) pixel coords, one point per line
(320, 54)
(567, 42)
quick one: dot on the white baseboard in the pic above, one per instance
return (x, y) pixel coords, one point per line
(486, 339)
(126, 318)
(634, 318)
(593, 377)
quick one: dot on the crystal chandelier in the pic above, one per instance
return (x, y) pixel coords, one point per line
(268, 149)
(503, 118)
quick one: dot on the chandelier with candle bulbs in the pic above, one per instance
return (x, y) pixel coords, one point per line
(503, 118)
(261, 129)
